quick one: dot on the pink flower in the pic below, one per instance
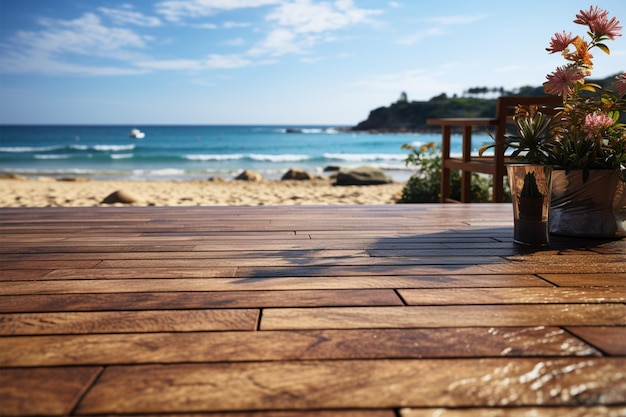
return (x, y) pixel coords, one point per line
(560, 82)
(595, 123)
(620, 84)
(593, 15)
(608, 28)
(560, 42)
(599, 23)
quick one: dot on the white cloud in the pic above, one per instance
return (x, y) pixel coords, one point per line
(127, 15)
(61, 45)
(85, 35)
(168, 65)
(426, 83)
(278, 42)
(304, 16)
(213, 61)
(210, 26)
(301, 24)
(87, 46)
(176, 10)
(234, 25)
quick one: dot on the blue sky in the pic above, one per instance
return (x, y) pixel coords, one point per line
(269, 61)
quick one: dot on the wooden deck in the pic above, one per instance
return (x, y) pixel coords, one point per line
(405, 310)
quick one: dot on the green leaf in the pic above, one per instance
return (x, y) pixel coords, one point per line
(588, 87)
(603, 48)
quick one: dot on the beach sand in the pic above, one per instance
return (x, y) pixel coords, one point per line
(77, 192)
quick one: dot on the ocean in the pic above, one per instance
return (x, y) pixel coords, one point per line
(201, 152)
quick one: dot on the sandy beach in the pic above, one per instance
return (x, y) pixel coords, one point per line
(77, 192)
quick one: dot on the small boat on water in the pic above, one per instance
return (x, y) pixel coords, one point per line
(137, 134)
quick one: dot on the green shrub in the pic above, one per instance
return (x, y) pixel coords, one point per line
(424, 185)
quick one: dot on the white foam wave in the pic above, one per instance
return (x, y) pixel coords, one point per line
(122, 156)
(279, 158)
(213, 157)
(164, 172)
(113, 148)
(328, 130)
(22, 149)
(52, 156)
(309, 130)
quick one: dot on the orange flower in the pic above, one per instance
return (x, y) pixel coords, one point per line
(582, 55)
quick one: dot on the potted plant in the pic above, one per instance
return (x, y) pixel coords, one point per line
(585, 141)
(529, 174)
(589, 188)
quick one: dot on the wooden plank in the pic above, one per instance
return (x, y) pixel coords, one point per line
(590, 279)
(196, 300)
(285, 261)
(142, 273)
(121, 254)
(127, 321)
(611, 340)
(48, 264)
(199, 347)
(349, 384)
(23, 274)
(145, 285)
(368, 270)
(601, 411)
(43, 391)
(444, 316)
(595, 267)
(530, 295)
(294, 271)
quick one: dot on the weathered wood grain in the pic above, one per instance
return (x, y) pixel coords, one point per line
(569, 295)
(196, 300)
(576, 279)
(127, 321)
(444, 316)
(43, 391)
(396, 310)
(368, 384)
(611, 340)
(603, 411)
(181, 281)
(200, 347)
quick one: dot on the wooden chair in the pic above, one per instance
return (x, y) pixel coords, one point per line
(492, 165)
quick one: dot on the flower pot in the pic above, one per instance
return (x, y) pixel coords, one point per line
(530, 192)
(595, 208)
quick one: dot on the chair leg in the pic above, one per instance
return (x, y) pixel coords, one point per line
(445, 172)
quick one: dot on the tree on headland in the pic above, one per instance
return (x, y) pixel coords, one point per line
(403, 116)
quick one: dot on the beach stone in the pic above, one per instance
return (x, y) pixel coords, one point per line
(331, 168)
(74, 179)
(249, 175)
(362, 176)
(120, 196)
(9, 176)
(297, 174)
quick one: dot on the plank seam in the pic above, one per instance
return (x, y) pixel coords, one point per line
(87, 388)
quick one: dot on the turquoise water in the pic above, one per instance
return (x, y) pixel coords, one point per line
(190, 152)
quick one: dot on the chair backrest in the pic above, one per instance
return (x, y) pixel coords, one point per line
(505, 109)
